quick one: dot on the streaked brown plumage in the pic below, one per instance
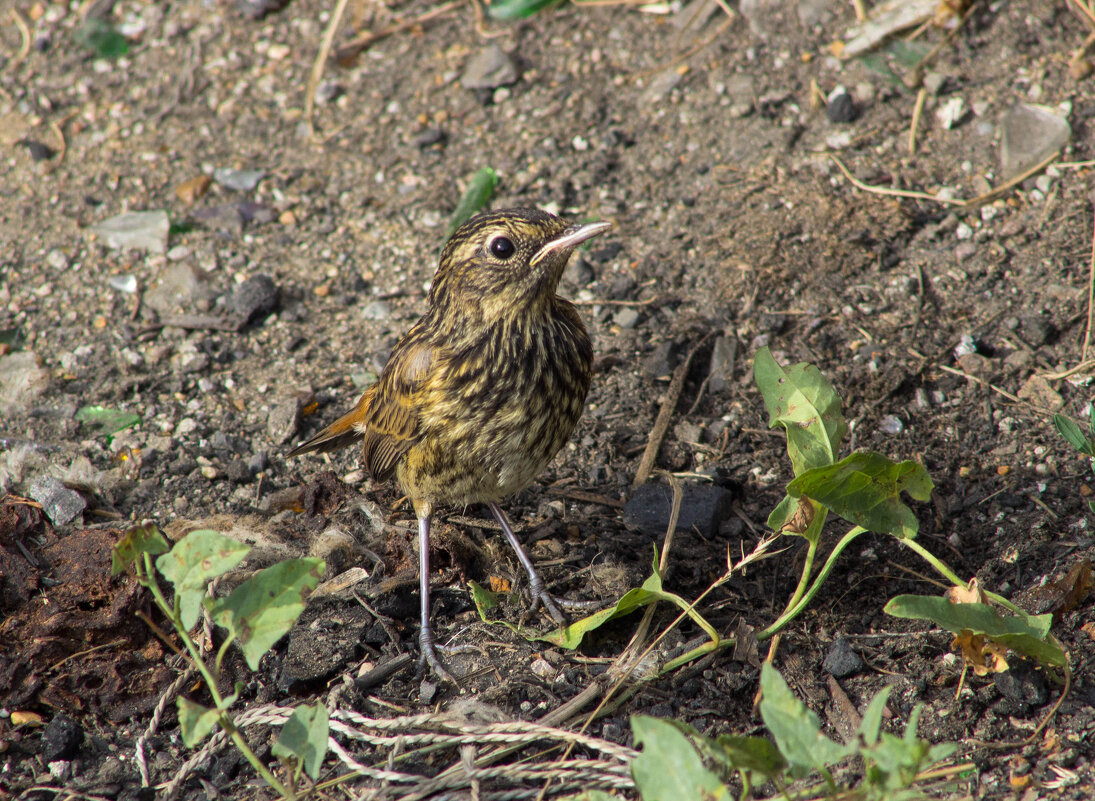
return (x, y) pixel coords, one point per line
(486, 387)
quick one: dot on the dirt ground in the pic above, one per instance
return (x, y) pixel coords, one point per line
(703, 138)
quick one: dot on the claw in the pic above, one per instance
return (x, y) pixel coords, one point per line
(540, 595)
(430, 656)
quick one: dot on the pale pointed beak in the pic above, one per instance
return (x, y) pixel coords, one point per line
(570, 239)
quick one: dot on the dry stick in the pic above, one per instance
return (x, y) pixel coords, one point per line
(481, 22)
(24, 32)
(918, 109)
(1085, 10)
(320, 64)
(962, 204)
(1081, 53)
(355, 46)
(994, 388)
(1090, 298)
(914, 77)
(860, 11)
(683, 56)
(770, 659)
(665, 414)
(1082, 365)
(602, 302)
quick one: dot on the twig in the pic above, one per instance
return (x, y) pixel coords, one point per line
(57, 128)
(665, 414)
(587, 497)
(383, 671)
(918, 109)
(1090, 299)
(355, 46)
(860, 11)
(773, 646)
(646, 302)
(481, 22)
(320, 64)
(994, 388)
(914, 77)
(24, 48)
(683, 56)
(1084, 365)
(961, 204)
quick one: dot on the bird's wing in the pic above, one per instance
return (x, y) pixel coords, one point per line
(344, 431)
(392, 425)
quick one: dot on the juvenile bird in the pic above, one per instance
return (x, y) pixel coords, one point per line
(485, 388)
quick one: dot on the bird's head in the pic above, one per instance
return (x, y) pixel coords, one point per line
(504, 262)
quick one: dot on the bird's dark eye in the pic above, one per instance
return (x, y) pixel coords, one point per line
(502, 247)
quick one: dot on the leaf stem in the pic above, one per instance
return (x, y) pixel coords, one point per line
(171, 611)
(945, 571)
(792, 612)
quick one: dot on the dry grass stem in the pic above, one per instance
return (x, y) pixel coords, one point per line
(320, 64)
(918, 109)
(961, 204)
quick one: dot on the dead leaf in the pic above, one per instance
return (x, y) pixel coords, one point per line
(970, 594)
(23, 718)
(801, 519)
(981, 653)
(1066, 593)
(192, 189)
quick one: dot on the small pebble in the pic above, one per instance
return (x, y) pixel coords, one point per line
(840, 660)
(841, 107)
(376, 310)
(891, 424)
(238, 180)
(255, 298)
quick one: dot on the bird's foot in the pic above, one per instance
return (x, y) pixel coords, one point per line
(430, 657)
(541, 597)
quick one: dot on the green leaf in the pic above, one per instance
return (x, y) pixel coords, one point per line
(304, 738)
(196, 559)
(871, 724)
(1072, 431)
(571, 636)
(519, 9)
(669, 767)
(865, 489)
(908, 54)
(136, 542)
(106, 421)
(876, 63)
(894, 762)
(757, 756)
(195, 720)
(480, 190)
(264, 607)
(1026, 634)
(805, 404)
(100, 35)
(795, 728)
(484, 599)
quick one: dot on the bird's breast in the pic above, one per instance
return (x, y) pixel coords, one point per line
(504, 405)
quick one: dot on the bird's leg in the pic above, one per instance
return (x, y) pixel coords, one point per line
(540, 595)
(425, 635)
